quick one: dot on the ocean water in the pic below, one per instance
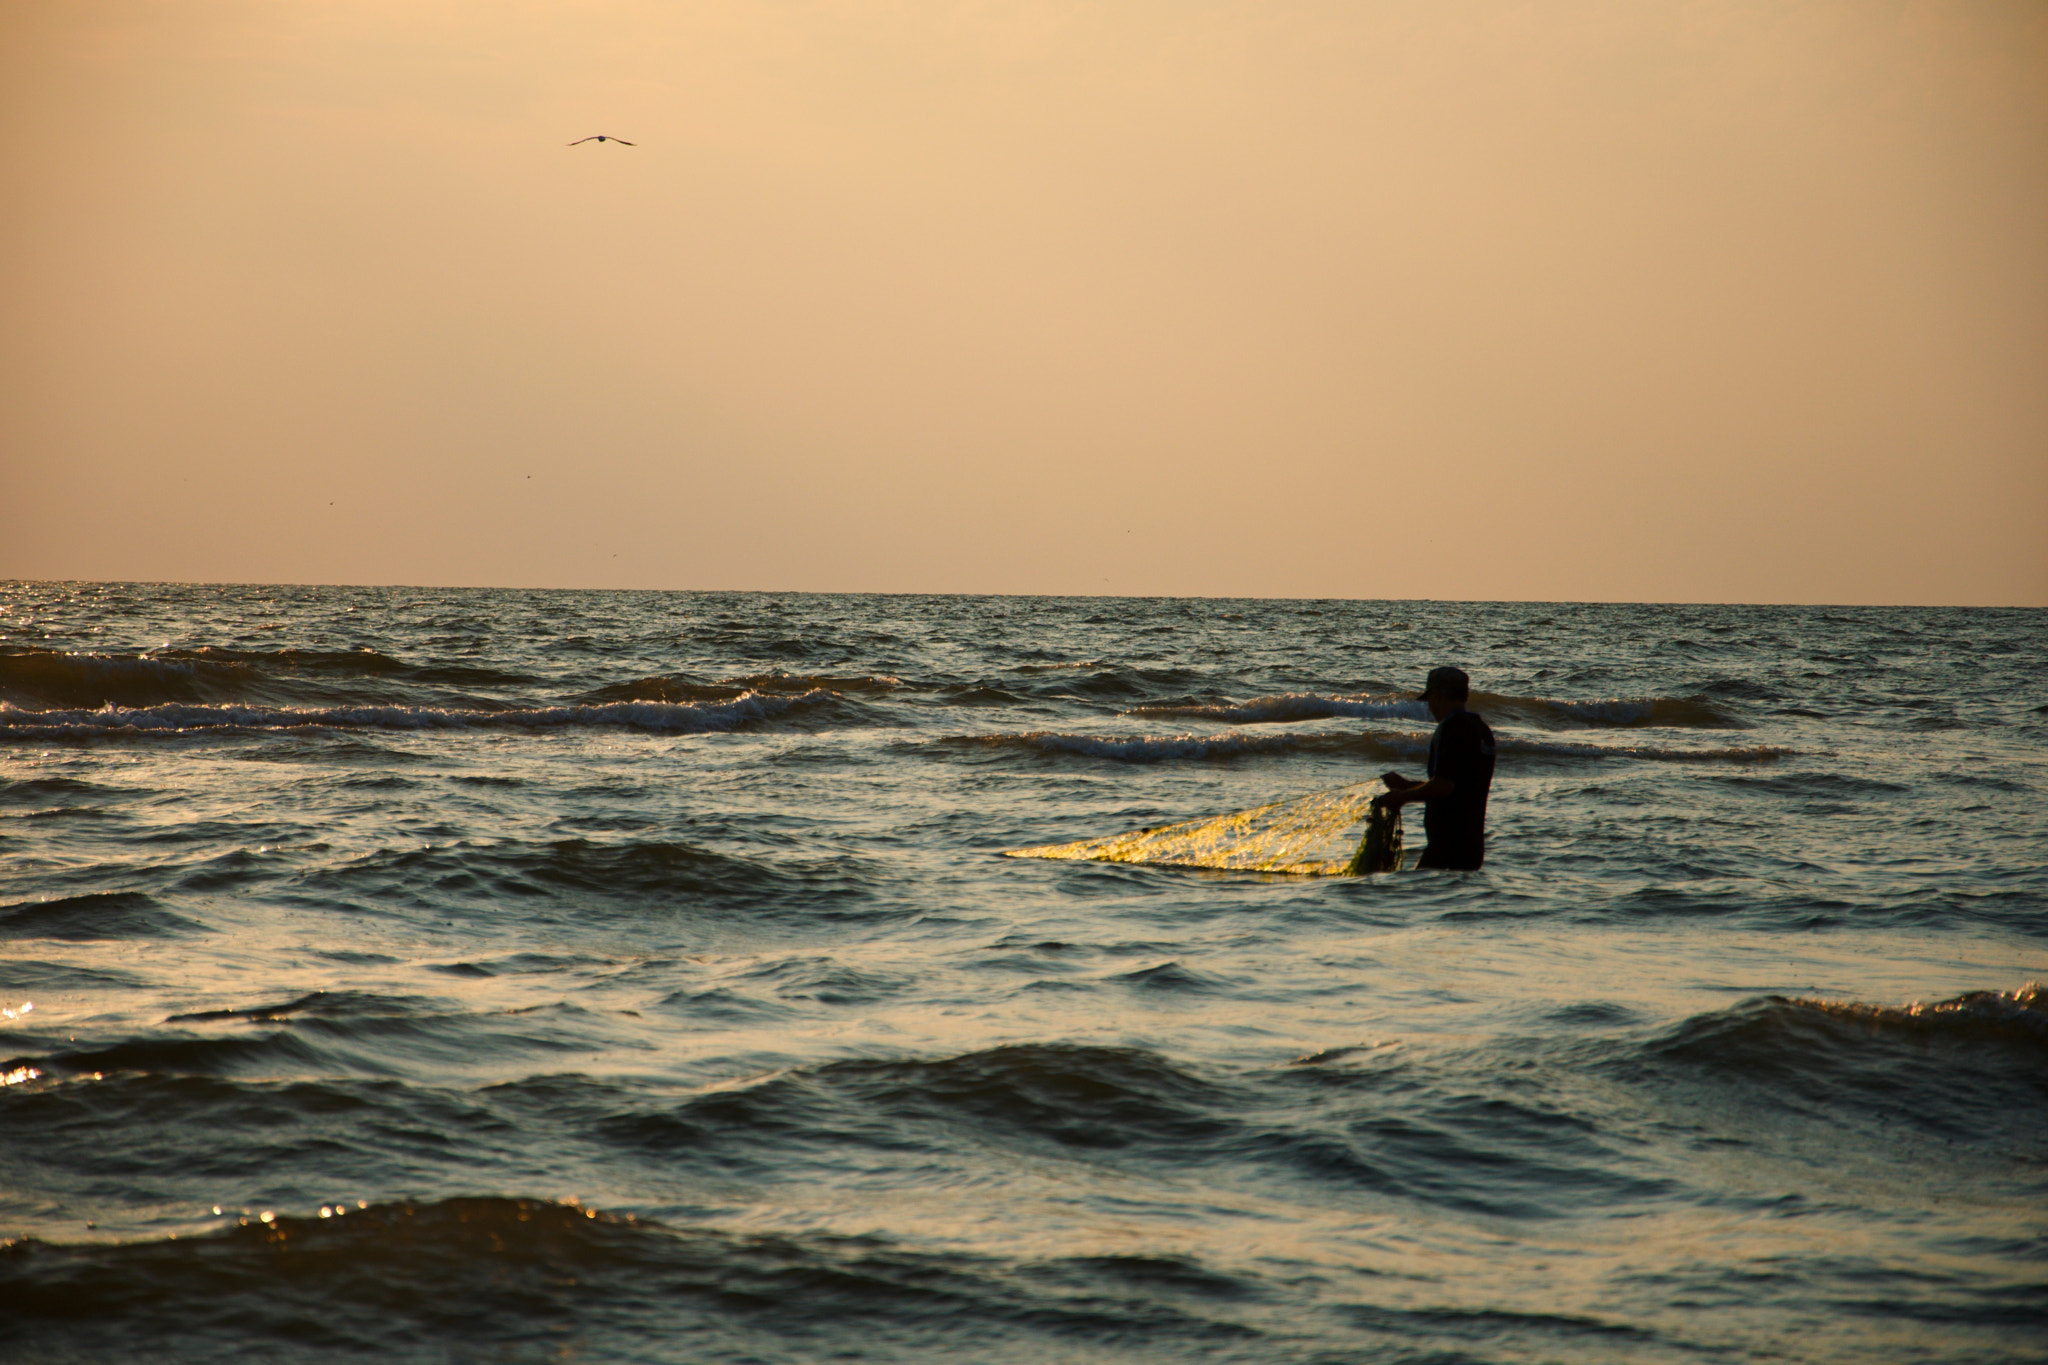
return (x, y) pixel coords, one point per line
(600, 976)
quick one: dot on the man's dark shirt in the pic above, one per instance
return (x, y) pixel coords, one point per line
(1461, 750)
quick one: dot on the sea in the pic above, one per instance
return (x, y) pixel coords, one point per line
(421, 974)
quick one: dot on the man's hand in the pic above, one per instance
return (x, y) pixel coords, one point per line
(1402, 790)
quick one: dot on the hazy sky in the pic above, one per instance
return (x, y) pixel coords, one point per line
(1584, 299)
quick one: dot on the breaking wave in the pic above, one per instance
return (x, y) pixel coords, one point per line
(2020, 1014)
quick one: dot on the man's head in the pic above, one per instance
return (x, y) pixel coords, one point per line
(1446, 691)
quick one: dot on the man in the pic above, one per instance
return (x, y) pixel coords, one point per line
(1460, 773)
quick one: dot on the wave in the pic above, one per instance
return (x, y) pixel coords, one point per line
(980, 695)
(58, 792)
(314, 1005)
(39, 679)
(829, 981)
(1057, 667)
(1289, 706)
(1197, 748)
(269, 1054)
(1826, 785)
(1649, 753)
(1697, 713)
(1057, 1095)
(1112, 683)
(1547, 712)
(1376, 745)
(678, 689)
(526, 1278)
(1779, 1032)
(1133, 1108)
(327, 1034)
(673, 688)
(817, 706)
(646, 875)
(28, 975)
(1966, 1068)
(2017, 1015)
(103, 915)
(361, 661)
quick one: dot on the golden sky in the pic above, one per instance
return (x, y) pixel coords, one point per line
(1578, 299)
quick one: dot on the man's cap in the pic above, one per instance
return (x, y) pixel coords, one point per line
(1446, 682)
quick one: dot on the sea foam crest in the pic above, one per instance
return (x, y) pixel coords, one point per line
(2022, 1010)
(686, 718)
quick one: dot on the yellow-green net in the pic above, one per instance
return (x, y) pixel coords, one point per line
(1310, 835)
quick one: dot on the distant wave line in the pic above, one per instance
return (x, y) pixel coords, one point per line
(176, 717)
(1293, 706)
(1379, 744)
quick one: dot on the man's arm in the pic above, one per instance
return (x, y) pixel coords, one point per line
(1401, 790)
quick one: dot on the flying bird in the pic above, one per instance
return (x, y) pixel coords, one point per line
(601, 137)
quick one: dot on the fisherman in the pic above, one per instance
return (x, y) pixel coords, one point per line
(1460, 772)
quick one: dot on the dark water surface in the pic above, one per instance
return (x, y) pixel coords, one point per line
(472, 975)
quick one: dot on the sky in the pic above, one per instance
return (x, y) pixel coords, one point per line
(1459, 299)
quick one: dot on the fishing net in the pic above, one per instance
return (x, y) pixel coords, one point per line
(1307, 836)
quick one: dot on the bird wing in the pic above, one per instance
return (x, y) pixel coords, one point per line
(581, 140)
(629, 144)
